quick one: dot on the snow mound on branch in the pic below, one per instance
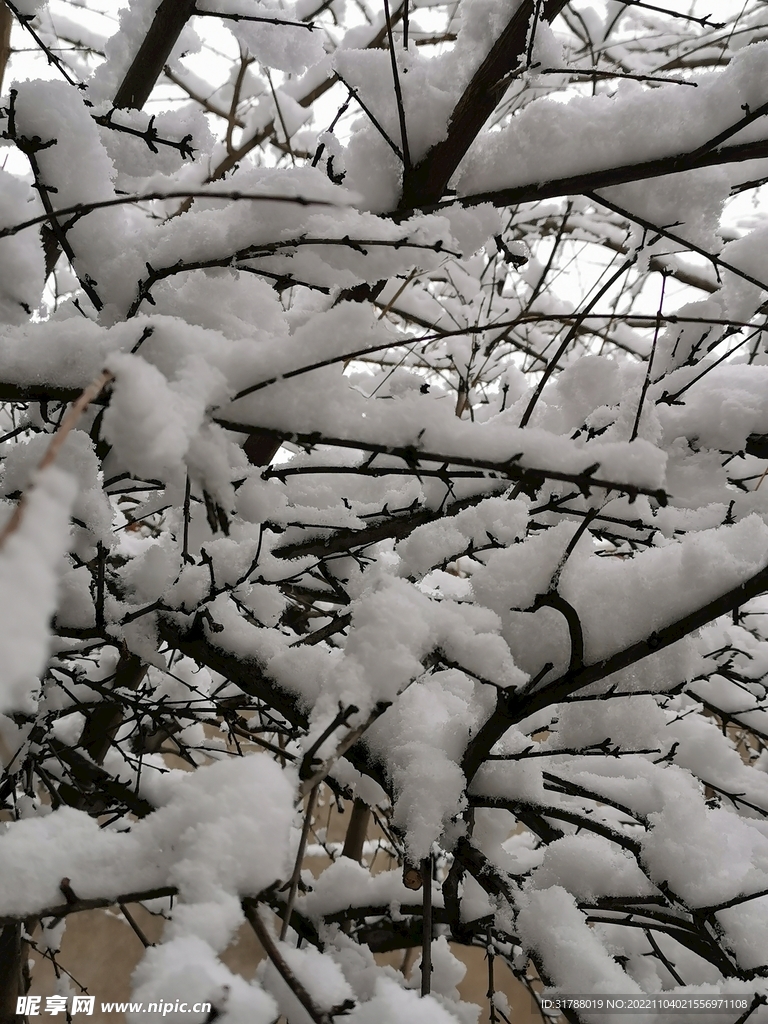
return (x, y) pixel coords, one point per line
(551, 925)
(21, 255)
(150, 421)
(634, 126)
(447, 972)
(290, 48)
(29, 564)
(319, 975)
(708, 856)
(392, 1004)
(75, 168)
(221, 832)
(76, 457)
(186, 969)
(590, 866)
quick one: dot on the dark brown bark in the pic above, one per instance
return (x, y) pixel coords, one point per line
(426, 182)
(94, 788)
(106, 718)
(10, 972)
(511, 709)
(148, 64)
(589, 181)
(6, 21)
(261, 448)
(356, 831)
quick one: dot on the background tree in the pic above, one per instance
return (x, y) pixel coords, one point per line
(385, 422)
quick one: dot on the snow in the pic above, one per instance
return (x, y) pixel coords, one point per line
(69, 728)
(319, 975)
(687, 575)
(437, 543)
(149, 421)
(708, 858)
(392, 1004)
(196, 841)
(185, 969)
(121, 48)
(77, 458)
(635, 125)
(721, 410)
(135, 164)
(78, 168)
(630, 722)
(747, 933)
(428, 782)
(288, 48)
(447, 971)
(345, 884)
(551, 925)
(431, 87)
(588, 867)
(394, 556)
(21, 257)
(29, 565)
(338, 412)
(699, 568)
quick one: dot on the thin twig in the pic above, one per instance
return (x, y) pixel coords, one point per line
(67, 424)
(352, 737)
(296, 875)
(270, 948)
(570, 336)
(647, 379)
(83, 209)
(398, 92)
(134, 925)
(426, 941)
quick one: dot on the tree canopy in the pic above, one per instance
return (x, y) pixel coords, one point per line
(384, 418)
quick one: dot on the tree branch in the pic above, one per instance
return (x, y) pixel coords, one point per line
(147, 66)
(427, 181)
(511, 708)
(589, 181)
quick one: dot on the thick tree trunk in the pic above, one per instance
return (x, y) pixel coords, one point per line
(6, 21)
(148, 64)
(10, 972)
(357, 831)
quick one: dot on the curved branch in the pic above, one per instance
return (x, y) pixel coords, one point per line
(511, 708)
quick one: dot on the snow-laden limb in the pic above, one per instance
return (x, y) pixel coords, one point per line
(294, 50)
(390, 1004)
(422, 520)
(551, 924)
(185, 969)
(192, 843)
(632, 128)
(29, 569)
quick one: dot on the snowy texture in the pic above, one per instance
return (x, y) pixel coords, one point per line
(29, 561)
(408, 552)
(195, 842)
